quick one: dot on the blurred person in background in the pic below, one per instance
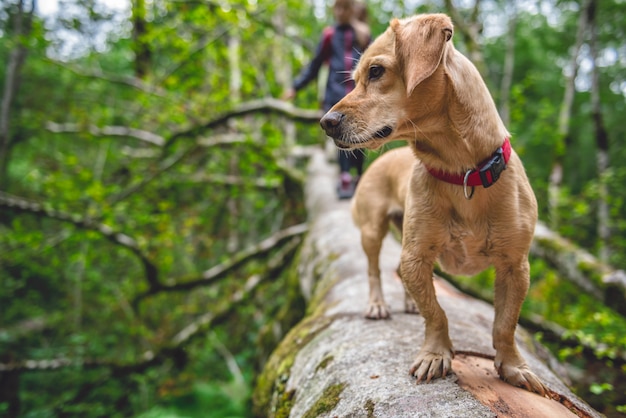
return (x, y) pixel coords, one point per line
(340, 47)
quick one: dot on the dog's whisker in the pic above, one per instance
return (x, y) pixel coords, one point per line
(417, 129)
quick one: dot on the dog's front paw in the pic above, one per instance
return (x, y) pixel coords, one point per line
(430, 365)
(377, 311)
(520, 376)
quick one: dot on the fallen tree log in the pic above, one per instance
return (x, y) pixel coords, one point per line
(573, 263)
(335, 363)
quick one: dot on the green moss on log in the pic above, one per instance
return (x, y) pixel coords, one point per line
(327, 402)
(325, 362)
(270, 393)
(369, 408)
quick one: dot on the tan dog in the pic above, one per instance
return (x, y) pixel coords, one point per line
(462, 208)
(379, 200)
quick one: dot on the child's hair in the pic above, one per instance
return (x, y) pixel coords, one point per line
(360, 11)
(343, 11)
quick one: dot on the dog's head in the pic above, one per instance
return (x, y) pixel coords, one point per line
(392, 76)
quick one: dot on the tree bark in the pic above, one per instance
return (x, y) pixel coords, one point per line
(336, 363)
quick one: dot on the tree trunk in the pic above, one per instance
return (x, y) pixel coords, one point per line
(143, 55)
(22, 27)
(602, 141)
(234, 87)
(509, 66)
(336, 363)
(284, 76)
(563, 135)
(470, 29)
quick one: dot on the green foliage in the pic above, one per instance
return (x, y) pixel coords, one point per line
(591, 322)
(204, 400)
(70, 291)
(194, 196)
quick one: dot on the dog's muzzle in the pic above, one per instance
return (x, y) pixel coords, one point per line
(331, 124)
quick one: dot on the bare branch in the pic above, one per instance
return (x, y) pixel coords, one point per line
(133, 82)
(148, 358)
(118, 238)
(126, 131)
(232, 180)
(265, 105)
(220, 271)
(194, 329)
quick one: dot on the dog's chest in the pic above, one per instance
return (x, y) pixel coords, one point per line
(467, 248)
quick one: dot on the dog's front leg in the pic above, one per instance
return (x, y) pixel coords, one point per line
(512, 281)
(435, 357)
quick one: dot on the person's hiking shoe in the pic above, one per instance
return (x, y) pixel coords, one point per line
(345, 189)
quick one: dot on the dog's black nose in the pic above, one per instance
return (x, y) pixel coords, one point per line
(331, 123)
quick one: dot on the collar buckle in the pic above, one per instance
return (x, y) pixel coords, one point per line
(490, 172)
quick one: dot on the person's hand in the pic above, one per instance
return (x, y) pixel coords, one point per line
(289, 94)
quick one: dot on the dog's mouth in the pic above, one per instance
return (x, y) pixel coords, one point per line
(382, 133)
(343, 145)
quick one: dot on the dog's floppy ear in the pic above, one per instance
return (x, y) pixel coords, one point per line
(419, 45)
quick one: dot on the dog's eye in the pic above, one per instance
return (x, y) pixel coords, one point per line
(376, 71)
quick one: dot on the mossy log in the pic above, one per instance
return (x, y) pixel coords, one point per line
(336, 363)
(573, 263)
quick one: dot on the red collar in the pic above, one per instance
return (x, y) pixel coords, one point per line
(486, 174)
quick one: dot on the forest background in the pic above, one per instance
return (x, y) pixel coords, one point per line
(151, 190)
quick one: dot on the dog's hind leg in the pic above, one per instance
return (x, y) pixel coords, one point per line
(512, 281)
(372, 235)
(410, 306)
